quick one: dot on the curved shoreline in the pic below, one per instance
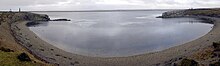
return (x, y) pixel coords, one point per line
(55, 55)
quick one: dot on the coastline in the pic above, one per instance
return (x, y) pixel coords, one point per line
(57, 56)
(10, 50)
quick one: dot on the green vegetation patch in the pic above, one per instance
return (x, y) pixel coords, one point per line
(204, 12)
(10, 59)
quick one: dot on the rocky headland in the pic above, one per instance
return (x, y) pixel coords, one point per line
(215, 12)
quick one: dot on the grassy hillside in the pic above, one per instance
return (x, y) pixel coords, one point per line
(10, 49)
(204, 12)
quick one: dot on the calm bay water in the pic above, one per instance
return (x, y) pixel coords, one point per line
(117, 34)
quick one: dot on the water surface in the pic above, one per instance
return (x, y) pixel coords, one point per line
(117, 34)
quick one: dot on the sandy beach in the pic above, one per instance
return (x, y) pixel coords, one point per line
(51, 54)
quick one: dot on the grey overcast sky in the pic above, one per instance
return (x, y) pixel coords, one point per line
(105, 4)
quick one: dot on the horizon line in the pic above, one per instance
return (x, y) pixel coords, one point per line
(100, 10)
(104, 10)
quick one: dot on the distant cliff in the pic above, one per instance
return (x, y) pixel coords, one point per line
(22, 16)
(192, 12)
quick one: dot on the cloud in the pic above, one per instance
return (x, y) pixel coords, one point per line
(105, 4)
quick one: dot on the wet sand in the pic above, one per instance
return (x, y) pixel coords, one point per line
(51, 54)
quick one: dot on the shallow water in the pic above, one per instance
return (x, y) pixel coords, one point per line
(118, 34)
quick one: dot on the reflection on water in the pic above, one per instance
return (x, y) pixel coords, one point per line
(116, 34)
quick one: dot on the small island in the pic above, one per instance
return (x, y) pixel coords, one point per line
(61, 20)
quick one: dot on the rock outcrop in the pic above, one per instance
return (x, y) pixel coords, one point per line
(173, 14)
(61, 20)
(188, 62)
(23, 16)
(191, 12)
(30, 17)
(24, 57)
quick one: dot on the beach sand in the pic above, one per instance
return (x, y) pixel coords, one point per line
(54, 55)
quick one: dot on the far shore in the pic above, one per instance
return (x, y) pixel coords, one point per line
(55, 55)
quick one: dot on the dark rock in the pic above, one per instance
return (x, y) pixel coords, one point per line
(35, 62)
(188, 62)
(216, 50)
(216, 45)
(30, 24)
(24, 57)
(52, 59)
(42, 49)
(61, 20)
(215, 64)
(214, 55)
(57, 55)
(6, 49)
(72, 64)
(159, 17)
(76, 62)
(70, 58)
(180, 58)
(57, 64)
(30, 45)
